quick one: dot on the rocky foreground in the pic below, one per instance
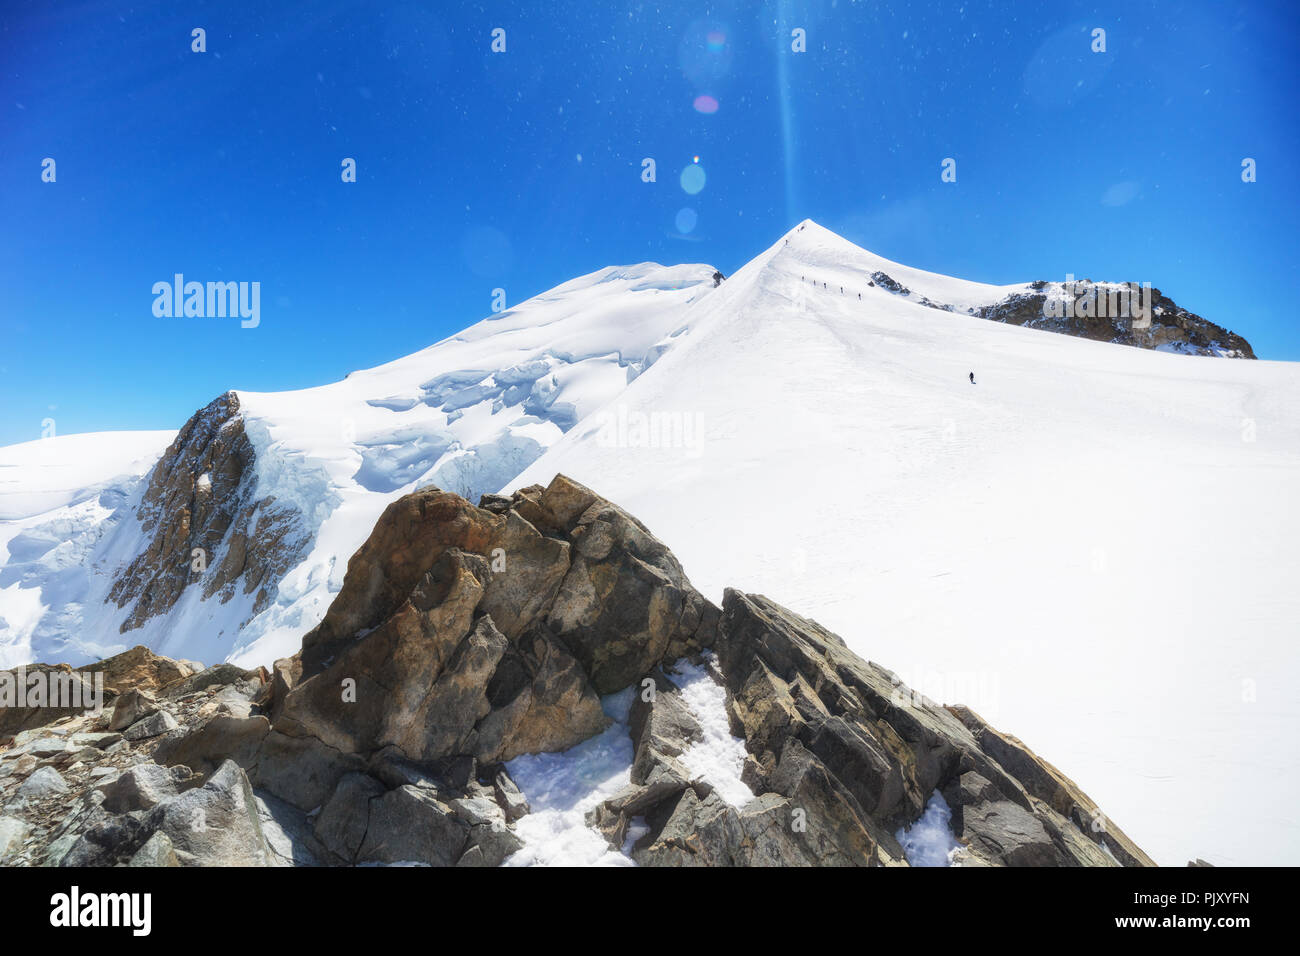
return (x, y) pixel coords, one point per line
(466, 636)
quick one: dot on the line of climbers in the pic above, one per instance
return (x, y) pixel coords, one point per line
(824, 286)
(870, 283)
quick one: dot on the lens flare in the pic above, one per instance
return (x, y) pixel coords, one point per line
(693, 179)
(687, 219)
(706, 104)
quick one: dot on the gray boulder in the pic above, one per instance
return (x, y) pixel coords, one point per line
(44, 782)
(143, 786)
(152, 726)
(130, 707)
(410, 825)
(157, 851)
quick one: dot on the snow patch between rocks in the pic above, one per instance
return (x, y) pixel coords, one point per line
(562, 787)
(929, 841)
(718, 758)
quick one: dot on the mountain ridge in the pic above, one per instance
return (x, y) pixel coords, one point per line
(963, 517)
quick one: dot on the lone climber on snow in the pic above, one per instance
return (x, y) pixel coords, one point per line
(972, 378)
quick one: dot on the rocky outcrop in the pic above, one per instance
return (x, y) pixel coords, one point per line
(1171, 328)
(841, 757)
(489, 632)
(205, 524)
(85, 793)
(138, 670)
(464, 637)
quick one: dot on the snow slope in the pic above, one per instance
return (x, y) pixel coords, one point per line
(60, 497)
(466, 414)
(1094, 546)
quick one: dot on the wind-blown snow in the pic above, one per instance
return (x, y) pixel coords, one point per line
(929, 841)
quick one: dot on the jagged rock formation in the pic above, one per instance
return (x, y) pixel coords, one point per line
(842, 755)
(466, 636)
(205, 524)
(1171, 327)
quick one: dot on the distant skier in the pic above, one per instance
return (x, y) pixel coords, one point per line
(972, 378)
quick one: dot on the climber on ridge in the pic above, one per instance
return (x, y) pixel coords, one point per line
(972, 378)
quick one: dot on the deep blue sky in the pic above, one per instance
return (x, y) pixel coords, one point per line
(522, 169)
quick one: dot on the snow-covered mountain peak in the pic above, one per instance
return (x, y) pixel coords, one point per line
(806, 428)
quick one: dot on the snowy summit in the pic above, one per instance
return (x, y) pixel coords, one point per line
(1078, 538)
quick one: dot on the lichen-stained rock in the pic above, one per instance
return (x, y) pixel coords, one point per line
(158, 850)
(435, 680)
(662, 727)
(143, 786)
(216, 824)
(527, 568)
(442, 722)
(12, 831)
(221, 738)
(541, 701)
(155, 724)
(792, 679)
(248, 682)
(138, 669)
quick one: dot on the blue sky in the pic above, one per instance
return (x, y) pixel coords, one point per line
(519, 170)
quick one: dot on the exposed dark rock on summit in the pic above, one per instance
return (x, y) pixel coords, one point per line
(1171, 328)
